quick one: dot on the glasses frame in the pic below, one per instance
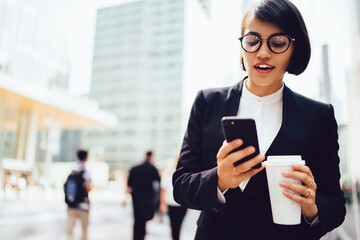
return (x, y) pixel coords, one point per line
(268, 42)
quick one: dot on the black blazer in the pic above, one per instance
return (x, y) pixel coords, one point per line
(141, 178)
(308, 129)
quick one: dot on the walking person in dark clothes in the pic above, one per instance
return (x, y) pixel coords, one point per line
(140, 185)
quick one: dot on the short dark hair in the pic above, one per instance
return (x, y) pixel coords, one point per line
(149, 153)
(82, 154)
(285, 15)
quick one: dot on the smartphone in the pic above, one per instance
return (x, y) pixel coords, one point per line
(245, 129)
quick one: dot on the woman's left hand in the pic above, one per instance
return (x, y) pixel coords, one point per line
(306, 191)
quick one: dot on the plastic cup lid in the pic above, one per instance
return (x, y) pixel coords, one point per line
(284, 159)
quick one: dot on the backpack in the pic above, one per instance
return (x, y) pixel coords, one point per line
(75, 189)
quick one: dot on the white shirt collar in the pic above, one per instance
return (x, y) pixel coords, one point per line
(249, 96)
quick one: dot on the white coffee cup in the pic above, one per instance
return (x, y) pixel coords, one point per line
(284, 210)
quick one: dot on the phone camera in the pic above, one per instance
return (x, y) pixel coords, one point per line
(232, 123)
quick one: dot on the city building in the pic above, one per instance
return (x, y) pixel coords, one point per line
(34, 73)
(150, 58)
(354, 99)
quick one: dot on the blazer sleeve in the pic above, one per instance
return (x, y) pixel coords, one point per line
(329, 197)
(195, 180)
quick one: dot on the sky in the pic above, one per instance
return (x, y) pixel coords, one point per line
(82, 29)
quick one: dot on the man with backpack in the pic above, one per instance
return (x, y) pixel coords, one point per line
(76, 188)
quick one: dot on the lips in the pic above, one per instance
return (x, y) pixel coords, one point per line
(263, 67)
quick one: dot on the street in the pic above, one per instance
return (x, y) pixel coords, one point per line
(43, 217)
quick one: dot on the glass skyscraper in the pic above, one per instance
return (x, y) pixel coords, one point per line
(138, 75)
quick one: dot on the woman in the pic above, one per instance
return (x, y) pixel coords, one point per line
(234, 200)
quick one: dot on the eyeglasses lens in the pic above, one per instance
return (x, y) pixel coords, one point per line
(277, 43)
(251, 43)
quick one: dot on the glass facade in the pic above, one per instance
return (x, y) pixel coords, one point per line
(137, 75)
(33, 41)
(33, 49)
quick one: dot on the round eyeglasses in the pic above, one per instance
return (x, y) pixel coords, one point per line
(277, 43)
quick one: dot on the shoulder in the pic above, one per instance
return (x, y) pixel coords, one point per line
(215, 96)
(152, 166)
(308, 105)
(142, 166)
(211, 94)
(214, 92)
(86, 175)
(135, 167)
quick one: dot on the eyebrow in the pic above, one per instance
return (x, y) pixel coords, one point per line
(258, 34)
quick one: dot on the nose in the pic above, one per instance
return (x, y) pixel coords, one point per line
(264, 51)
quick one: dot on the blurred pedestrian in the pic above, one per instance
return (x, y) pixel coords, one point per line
(77, 187)
(168, 204)
(140, 185)
(22, 185)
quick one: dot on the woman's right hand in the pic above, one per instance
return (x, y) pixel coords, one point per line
(230, 176)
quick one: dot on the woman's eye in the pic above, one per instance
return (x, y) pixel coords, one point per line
(278, 44)
(252, 43)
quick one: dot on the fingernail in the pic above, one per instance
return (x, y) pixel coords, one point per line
(251, 149)
(239, 142)
(285, 173)
(283, 184)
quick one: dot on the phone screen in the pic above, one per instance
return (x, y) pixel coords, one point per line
(245, 129)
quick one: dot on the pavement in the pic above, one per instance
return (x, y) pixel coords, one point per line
(41, 215)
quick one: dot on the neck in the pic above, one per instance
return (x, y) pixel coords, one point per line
(262, 91)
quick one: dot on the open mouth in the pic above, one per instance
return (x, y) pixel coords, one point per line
(264, 67)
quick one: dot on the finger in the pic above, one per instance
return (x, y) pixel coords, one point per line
(296, 198)
(240, 154)
(303, 168)
(251, 172)
(219, 155)
(249, 164)
(301, 176)
(297, 188)
(227, 147)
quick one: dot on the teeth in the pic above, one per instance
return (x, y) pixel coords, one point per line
(264, 66)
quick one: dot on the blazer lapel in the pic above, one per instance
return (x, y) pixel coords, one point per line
(233, 99)
(288, 139)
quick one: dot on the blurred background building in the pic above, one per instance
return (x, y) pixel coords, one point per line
(148, 56)
(34, 103)
(354, 98)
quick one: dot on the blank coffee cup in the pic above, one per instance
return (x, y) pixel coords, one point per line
(284, 210)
